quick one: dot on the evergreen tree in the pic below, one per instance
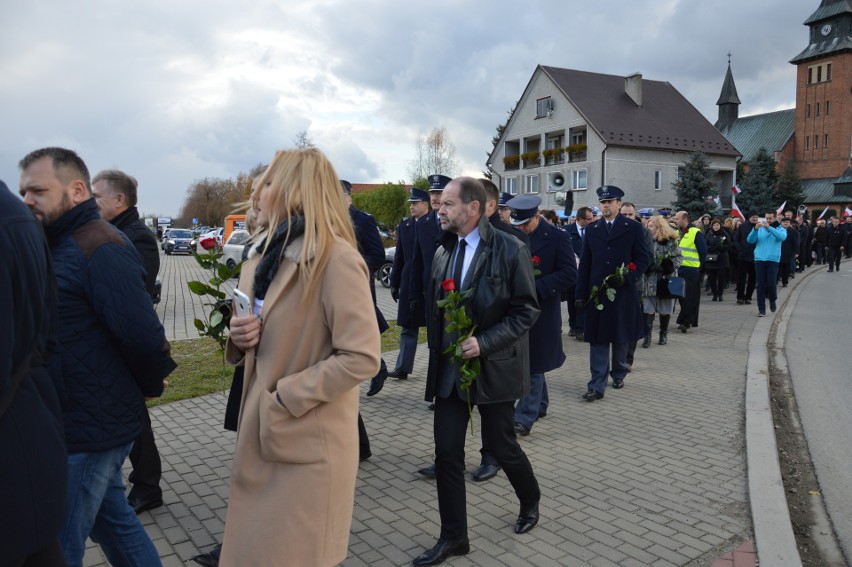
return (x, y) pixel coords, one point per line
(759, 185)
(790, 187)
(694, 188)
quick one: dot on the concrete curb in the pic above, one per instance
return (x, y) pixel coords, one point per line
(773, 530)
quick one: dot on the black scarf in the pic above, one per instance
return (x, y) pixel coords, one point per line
(278, 241)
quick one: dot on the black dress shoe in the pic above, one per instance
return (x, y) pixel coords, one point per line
(485, 472)
(527, 519)
(579, 336)
(522, 429)
(397, 373)
(140, 505)
(376, 385)
(428, 472)
(617, 384)
(209, 559)
(571, 332)
(443, 549)
(592, 395)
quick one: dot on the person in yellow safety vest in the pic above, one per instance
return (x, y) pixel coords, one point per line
(693, 250)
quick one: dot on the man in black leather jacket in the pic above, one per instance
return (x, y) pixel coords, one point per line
(503, 308)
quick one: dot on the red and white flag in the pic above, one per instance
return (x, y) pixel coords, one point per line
(736, 190)
(847, 212)
(823, 213)
(781, 208)
(735, 210)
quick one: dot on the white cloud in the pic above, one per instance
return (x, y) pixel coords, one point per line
(176, 91)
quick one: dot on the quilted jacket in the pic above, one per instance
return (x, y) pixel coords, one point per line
(112, 349)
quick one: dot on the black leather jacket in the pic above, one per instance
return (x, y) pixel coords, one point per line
(503, 307)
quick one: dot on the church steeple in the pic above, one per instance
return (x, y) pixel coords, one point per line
(729, 101)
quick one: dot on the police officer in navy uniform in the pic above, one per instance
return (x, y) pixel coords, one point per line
(400, 285)
(427, 231)
(555, 270)
(373, 251)
(612, 241)
(502, 209)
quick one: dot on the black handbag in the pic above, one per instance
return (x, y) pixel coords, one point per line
(670, 287)
(711, 258)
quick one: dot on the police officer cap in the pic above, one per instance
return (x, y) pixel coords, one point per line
(647, 212)
(596, 211)
(347, 187)
(505, 198)
(523, 208)
(609, 192)
(418, 196)
(438, 182)
(665, 212)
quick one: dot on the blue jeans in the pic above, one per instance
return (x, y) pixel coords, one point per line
(767, 283)
(407, 349)
(599, 364)
(528, 407)
(98, 508)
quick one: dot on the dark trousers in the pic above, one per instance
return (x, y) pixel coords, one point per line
(784, 271)
(833, 255)
(576, 320)
(147, 468)
(450, 429)
(717, 280)
(820, 252)
(363, 441)
(745, 272)
(48, 556)
(690, 303)
(767, 283)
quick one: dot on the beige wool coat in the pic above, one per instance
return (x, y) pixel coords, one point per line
(294, 471)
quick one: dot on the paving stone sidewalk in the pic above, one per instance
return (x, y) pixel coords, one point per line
(654, 474)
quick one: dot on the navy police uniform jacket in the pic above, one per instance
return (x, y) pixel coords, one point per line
(426, 235)
(401, 273)
(553, 256)
(111, 348)
(372, 250)
(620, 321)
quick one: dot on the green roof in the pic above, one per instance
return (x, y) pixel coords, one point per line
(822, 191)
(771, 131)
(829, 9)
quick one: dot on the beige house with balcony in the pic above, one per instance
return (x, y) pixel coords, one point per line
(573, 131)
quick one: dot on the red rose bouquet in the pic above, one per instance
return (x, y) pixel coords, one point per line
(459, 321)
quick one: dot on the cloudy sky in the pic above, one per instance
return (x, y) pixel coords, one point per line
(173, 91)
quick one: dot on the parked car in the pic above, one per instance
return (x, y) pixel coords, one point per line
(199, 230)
(179, 240)
(383, 273)
(233, 249)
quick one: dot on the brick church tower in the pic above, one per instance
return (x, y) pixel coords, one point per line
(823, 132)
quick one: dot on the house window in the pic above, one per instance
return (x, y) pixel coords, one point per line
(828, 71)
(510, 185)
(658, 180)
(827, 107)
(809, 111)
(825, 141)
(816, 141)
(578, 180)
(807, 142)
(531, 184)
(823, 73)
(543, 107)
(810, 75)
(816, 109)
(819, 73)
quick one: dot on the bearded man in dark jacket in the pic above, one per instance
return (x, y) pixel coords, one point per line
(111, 354)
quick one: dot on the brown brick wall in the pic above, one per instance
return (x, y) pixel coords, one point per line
(822, 162)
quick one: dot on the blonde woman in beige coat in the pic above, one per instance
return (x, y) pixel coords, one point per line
(310, 342)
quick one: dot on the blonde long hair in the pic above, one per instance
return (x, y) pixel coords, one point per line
(303, 181)
(664, 230)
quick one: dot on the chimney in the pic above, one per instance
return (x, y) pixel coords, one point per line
(633, 87)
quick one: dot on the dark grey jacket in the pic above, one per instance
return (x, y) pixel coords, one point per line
(503, 307)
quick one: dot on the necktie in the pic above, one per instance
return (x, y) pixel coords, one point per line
(457, 267)
(582, 233)
(608, 227)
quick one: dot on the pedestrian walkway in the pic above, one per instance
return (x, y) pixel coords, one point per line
(654, 474)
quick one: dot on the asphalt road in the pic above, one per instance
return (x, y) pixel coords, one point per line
(818, 353)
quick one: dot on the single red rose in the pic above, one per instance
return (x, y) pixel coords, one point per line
(536, 260)
(631, 266)
(448, 285)
(208, 243)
